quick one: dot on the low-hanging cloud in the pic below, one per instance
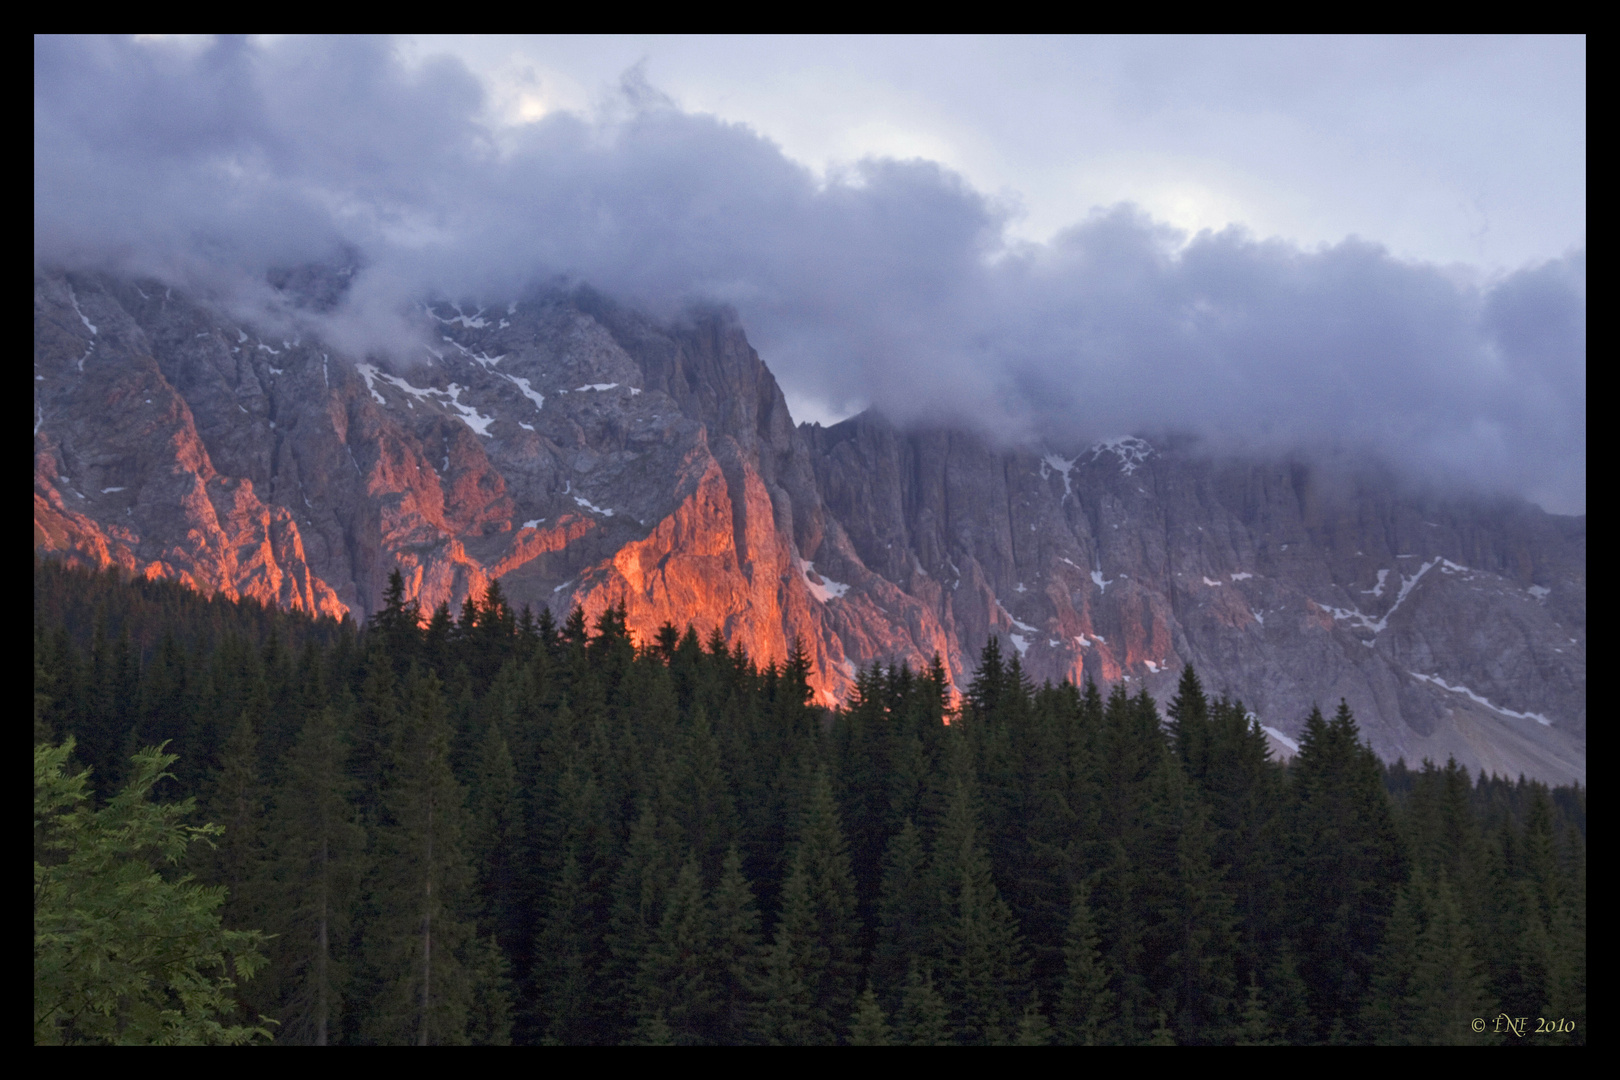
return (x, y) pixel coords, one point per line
(892, 283)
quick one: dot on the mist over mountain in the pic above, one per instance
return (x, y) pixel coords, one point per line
(892, 283)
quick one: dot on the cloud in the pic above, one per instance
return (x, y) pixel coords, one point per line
(893, 283)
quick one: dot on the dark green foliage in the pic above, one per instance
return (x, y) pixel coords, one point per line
(812, 964)
(488, 827)
(316, 866)
(125, 951)
(1347, 863)
(1086, 1008)
(924, 1018)
(870, 1027)
(421, 884)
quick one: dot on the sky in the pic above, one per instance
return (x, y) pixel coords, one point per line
(1363, 248)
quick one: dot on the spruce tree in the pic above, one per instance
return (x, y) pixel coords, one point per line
(236, 800)
(422, 890)
(736, 955)
(495, 837)
(319, 862)
(924, 1018)
(1033, 1027)
(906, 915)
(1346, 861)
(812, 964)
(489, 1021)
(125, 954)
(980, 952)
(639, 889)
(1195, 932)
(871, 1028)
(674, 985)
(1085, 1009)
(1255, 1027)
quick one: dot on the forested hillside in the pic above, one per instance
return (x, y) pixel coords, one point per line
(488, 827)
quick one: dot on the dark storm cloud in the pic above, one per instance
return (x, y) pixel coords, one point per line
(892, 283)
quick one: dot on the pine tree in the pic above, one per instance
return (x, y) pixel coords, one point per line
(122, 953)
(236, 800)
(905, 915)
(639, 889)
(980, 953)
(1189, 724)
(1426, 986)
(1195, 933)
(813, 963)
(317, 869)
(871, 1028)
(1085, 1008)
(924, 1018)
(673, 982)
(1255, 1028)
(1286, 1000)
(1347, 864)
(1033, 1027)
(490, 1018)
(495, 836)
(736, 955)
(423, 885)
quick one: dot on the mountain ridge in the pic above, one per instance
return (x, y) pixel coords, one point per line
(584, 453)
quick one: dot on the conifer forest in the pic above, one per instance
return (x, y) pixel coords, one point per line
(490, 827)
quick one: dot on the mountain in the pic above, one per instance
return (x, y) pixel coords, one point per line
(584, 453)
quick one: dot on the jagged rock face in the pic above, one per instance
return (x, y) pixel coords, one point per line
(582, 453)
(1452, 627)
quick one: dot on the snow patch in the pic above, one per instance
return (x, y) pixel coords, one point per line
(596, 386)
(1241, 575)
(1377, 626)
(534, 523)
(109, 491)
(563, 586)
(88, 325)
(1540, 592)
(1096, 576)
(475, 321)
(1377, 590)
(1279, 736)
(1131, 452)
(525, 427)
(371, 374)
(1055, 463)
(268, 349)
(1019, 643)
(529, 392)
(1479, 700)
(450, 397)
(821, 587)
(1210, 583)
(587, 504)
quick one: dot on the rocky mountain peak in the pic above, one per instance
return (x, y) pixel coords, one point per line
(584, 453)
